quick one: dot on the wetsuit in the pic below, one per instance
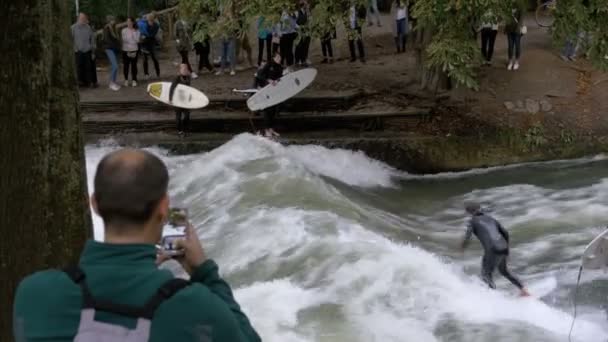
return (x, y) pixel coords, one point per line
(182, 116)
(272, 71)
(495, 241)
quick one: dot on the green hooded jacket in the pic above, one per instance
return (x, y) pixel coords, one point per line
(48, 303)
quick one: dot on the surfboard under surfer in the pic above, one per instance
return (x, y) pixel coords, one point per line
(495, 241)
(269, 73)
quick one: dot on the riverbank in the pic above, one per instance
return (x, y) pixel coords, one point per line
(549, 109)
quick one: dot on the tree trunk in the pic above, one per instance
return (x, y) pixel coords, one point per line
(432, 79)
(44, 216)
(130, 7)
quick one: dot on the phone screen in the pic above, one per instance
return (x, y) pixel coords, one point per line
(174, 230)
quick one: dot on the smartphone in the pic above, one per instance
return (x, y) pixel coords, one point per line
(175, 229)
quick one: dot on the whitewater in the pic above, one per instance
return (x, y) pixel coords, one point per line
(330, 245)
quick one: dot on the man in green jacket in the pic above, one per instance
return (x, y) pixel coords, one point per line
(131, 198)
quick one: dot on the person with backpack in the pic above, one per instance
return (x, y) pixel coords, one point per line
(116, 292)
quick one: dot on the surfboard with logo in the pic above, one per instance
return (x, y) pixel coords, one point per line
(287, 87)
(184, 97)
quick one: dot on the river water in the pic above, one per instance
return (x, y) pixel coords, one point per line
(330, 245)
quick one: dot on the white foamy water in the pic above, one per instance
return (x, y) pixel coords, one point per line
(314, 255)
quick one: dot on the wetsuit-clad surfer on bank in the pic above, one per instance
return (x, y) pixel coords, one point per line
(182, 116)
(269, 73)
(495, 241)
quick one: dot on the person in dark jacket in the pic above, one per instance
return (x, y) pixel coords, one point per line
(203, 49)
(302, 19)
(269, 73)
(182, 116)
(111, 42)
(495, 241)
(131, 197)
(149, 30)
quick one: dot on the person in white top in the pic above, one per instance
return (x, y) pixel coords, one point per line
(489, 31)
(400, 24)
(130, 50)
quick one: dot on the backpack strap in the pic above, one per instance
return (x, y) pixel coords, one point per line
(166, 291)
(169, 288)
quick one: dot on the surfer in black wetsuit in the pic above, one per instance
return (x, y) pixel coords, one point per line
(495, 241)
(182, 116)
(270, 73)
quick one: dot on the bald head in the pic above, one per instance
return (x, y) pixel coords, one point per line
(129, 185)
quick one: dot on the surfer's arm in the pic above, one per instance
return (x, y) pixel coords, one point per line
(467, 236)
(503, 232)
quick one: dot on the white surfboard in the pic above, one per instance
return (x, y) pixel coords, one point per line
(288, 86)
(184, 97)
(595, 256)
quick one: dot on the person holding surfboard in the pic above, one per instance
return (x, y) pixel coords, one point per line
(495, 241)
(182, 116)
(270, 73)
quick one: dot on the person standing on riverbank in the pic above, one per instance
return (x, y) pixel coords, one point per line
(326, 48)
(288, 37)
(515, 30)
(130, 51)
(183, 42)
(83, 37)
(400, 24)
(182, 116)
(264, 40)
(303, 46)
(489, 31)
(355, 34)
(495, 241)
(372, 9)
(111, 44)
(149, 30)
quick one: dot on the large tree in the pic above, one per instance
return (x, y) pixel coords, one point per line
(446, 44)
(44, 216)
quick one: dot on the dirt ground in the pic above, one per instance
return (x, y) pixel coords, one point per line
(546, 91)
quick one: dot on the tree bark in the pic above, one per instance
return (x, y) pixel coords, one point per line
(44, 214)
(432, 79)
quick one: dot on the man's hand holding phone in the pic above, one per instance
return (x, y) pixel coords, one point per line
(194, 254)
(187, 250)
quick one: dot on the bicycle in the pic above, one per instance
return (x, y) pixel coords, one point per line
(545, 12)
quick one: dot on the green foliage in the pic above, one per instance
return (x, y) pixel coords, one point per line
(217, 18)
(535, 137)
(573, 17)
(99, 9)
(453, 47)
(455, 57)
